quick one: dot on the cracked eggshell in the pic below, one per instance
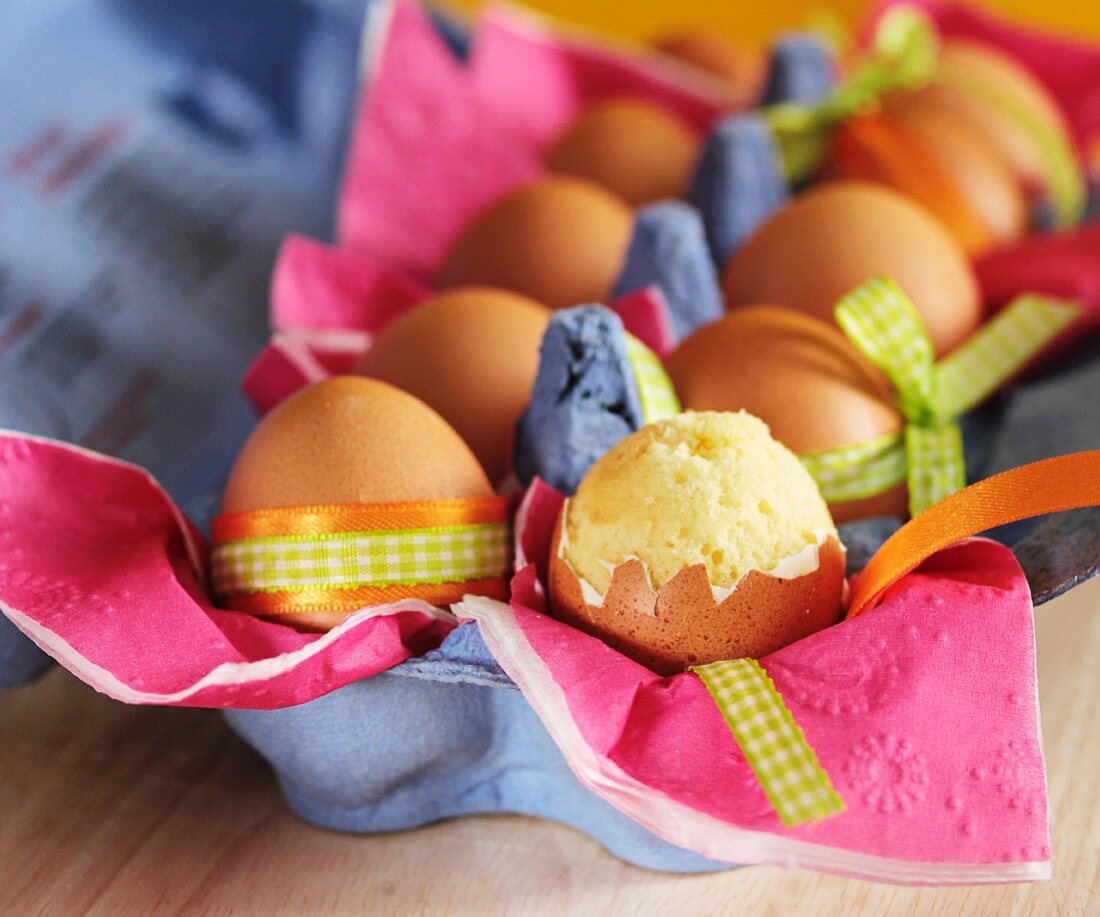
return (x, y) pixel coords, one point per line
(560, 240)
(694, 539)
(803, 378)
(683, 623)
(471, 354)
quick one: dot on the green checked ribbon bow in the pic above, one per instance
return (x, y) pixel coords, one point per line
(881, 321)
(903, 55)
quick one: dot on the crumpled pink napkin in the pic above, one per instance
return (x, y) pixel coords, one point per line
(1066, 265)
(1068, 67)
(924, 713)
(104, 572)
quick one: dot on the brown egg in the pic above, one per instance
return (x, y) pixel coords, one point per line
(873, 148)
(471, 354)
(838, 236)
(971, 78)
(735, 63)
(559, 240)
(801, 377)
(980, 173)
(637, 149)
(350, 440)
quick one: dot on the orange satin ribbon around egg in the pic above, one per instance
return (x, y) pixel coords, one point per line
(344, 557)
(271, 604)
(358, 517)
(1049, 486)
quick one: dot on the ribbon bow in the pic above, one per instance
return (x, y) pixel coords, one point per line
(881, 321)
(903, 55)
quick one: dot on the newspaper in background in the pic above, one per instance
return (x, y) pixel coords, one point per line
(152, 156)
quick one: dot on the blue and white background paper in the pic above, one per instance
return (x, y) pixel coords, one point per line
(153, 153)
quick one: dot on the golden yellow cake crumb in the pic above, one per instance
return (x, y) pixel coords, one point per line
(709, 487)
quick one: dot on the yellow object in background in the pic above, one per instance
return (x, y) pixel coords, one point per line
(756, 22)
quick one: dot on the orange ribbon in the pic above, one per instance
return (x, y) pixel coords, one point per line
(269, 604)
(1050, 486)
(358, 517)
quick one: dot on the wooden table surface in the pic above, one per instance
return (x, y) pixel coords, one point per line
(119, 810)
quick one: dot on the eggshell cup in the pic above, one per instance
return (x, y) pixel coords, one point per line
(684, 623)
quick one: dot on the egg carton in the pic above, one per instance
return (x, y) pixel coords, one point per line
(448, 734)
(440, 736)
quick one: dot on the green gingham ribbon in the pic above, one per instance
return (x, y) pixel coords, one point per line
(860, 470)
(881, 321)
(903, 55)
(655, 389)
(772, 742)
(288, 563)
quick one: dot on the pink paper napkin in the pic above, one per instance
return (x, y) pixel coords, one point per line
(926, 723)
(1066, 265)
(106, 574)
(317, 287)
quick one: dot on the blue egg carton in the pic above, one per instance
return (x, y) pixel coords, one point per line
(441, 736)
